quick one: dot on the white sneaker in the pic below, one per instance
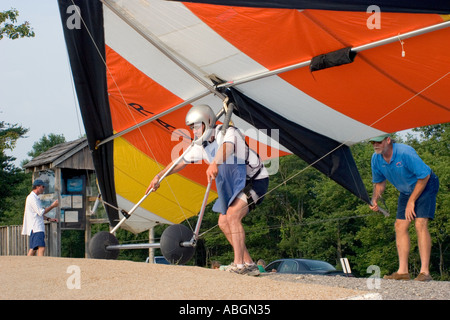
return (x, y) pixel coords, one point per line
(228, 267)
(251, 270)
(235, 269)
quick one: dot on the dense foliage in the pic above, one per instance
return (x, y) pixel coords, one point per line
(304, 214)
(12, 179)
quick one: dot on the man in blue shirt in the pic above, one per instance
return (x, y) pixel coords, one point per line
(418, 186)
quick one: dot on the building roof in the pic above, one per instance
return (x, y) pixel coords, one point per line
(73, 154)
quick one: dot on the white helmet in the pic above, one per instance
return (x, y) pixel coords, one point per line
(202, 114)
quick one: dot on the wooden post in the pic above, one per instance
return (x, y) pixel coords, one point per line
(87, 234)
(57, 233)
(151, 238)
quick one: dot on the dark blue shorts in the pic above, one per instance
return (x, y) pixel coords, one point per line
(37, 240)
(425, 205)
(260, 187)
(258, 190)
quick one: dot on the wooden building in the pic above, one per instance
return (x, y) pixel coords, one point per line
(68, 173)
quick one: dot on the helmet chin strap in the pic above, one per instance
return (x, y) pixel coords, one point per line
(205, 136)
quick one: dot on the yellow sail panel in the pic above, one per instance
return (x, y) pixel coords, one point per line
(177, 199)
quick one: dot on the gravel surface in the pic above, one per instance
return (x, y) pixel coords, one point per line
(375, 290)
(46, 278)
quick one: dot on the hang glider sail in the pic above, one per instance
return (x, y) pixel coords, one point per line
(324, 76)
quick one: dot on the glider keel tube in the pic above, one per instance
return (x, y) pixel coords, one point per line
(134, 246)
(105, 245)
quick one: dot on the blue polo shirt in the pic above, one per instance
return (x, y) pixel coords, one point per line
(403, 171)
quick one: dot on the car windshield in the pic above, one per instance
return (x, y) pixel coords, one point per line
(273, 266)
(161, 260)
(319, 265)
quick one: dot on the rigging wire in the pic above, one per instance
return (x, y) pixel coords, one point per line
(128, 109)
(279, 226)
(287, 179)
(301, 223)
(74, 96)
(344, 143)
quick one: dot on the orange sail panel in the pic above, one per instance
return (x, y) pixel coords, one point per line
(134, 61)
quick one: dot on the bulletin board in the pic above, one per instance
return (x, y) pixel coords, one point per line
(73, 199)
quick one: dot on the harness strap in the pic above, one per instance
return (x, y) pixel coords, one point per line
(247, 152)
(248, 187)
(251, 203)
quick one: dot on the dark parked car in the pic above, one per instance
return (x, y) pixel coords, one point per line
(158, 260)
(304, 266)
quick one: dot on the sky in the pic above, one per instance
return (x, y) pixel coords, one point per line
(36, 87)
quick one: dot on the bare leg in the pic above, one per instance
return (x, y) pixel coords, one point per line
(403, 244)
(224, 226)
(231, 226)
(424, 242)
(41, 251)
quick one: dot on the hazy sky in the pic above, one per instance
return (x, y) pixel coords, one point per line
(36, 88)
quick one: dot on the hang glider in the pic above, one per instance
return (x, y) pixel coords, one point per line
(325, 76)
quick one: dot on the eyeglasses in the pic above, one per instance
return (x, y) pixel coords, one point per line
(377, 142)
(195, 126)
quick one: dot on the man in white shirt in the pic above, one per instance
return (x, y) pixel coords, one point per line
(240, 176)
(33, 219)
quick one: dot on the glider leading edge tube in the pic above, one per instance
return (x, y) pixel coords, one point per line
(128, 214)
(199, 140)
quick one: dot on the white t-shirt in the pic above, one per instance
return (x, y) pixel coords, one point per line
(243, 153)
(33, 219)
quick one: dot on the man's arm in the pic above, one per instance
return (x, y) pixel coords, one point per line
(224, 151)
(378, 189)
(48, 209)
(154, 184)
(53, 205)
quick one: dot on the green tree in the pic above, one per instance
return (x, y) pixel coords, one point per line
(374, 241)
(305, 214)
(45, 143)
(9, 134)
(11, 177)
(72, 243)
(377, 235)
(433, 144)
(10, 29)
(14, 182)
